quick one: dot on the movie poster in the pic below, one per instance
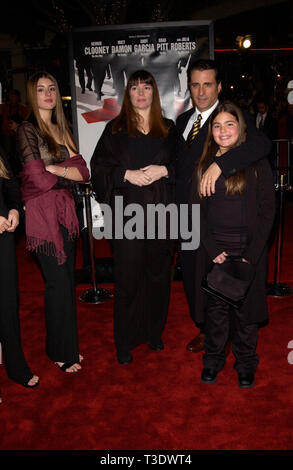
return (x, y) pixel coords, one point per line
(103, 58)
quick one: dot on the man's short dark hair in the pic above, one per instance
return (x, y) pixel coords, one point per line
(204, 64)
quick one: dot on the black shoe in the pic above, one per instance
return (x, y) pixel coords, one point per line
(245, 379)
(124, 358)
(209, 376)
(156, 345)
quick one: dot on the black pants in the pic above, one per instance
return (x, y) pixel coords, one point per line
(60, 307)
(142, 288)
(217, 328)
(187, 261)
(14, 360)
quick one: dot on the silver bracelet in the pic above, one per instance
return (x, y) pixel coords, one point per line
(65, 171)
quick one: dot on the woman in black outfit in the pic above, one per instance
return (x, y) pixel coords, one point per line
(134, 159)
(235, 220)
(10, 206)
(51, 166)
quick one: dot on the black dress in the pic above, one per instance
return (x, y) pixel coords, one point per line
(14, 360)
(142, 266)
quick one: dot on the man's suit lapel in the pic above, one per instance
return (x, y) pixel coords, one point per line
(183, 119)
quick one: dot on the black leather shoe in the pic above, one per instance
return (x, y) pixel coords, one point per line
(245, 380)
(124, 358)
(156, 345)
(209, 376)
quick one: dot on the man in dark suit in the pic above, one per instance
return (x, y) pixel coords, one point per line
(205, 86)
(265, 121)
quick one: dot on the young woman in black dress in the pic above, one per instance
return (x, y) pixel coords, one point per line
(51, 166)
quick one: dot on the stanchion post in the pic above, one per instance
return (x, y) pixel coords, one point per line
(95, 295)
(278, 289)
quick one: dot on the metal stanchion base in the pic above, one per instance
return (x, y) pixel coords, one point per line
(278, 290)
(95, 296)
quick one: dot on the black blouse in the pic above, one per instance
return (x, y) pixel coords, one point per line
(226, 213)
(32, 146)
(116, 153)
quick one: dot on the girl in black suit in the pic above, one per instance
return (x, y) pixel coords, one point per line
(235, 220)
(10, 204)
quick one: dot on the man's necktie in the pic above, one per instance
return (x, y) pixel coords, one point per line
(194, 130)
(261, 123)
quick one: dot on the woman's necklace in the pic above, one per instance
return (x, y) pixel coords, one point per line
(143, 125)
(143, 130)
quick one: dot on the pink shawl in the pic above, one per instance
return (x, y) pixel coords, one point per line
(47, 208)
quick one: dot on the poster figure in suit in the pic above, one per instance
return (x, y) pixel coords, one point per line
(83, 65)
(122, 65)
(168, 82)
(118, 64)
(99, 67)
(134, 62)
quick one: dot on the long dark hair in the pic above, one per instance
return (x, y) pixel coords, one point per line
(58, 116)
(236, 183)
(128, 119)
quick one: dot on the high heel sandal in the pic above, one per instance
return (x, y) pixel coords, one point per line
(67, 365)
(27, 385)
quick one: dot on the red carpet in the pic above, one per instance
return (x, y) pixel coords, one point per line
(158, 401)
(109, 110)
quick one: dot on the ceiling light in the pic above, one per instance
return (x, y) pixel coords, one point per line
(244, 42)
